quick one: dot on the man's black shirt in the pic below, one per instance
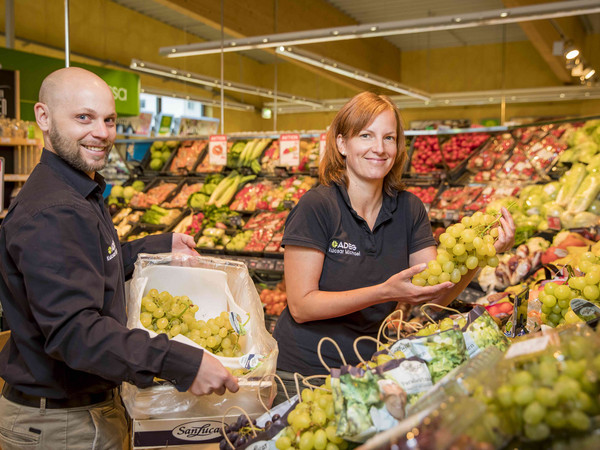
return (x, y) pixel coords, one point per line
(63, 294)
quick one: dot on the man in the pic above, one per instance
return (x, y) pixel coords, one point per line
(62, 289)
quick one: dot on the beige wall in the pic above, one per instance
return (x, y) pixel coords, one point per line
(109, 32)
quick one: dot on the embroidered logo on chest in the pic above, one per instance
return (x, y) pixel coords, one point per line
(112, 251)
(343, 248)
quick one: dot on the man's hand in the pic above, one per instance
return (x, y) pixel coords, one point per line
(212, 377)
(183, 243)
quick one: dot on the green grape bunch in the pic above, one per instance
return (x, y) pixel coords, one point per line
(550, 395)
(164, 313)
(464, 246)
(445, 324)
(556, 298)
(311, 424)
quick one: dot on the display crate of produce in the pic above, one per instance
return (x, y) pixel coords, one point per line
(544, 154)
(183, 192)
(156, 192)
(426, 156)
(159, 156)
(190, 224)
(125, 221)
(247, 154)
(138, 232)
(264, 225)
(490, 158)
(490, 193)
(270, 158)
(186, 157)
(253, 196)
(274, 246)
(452, 200)
(289, 191)
(157, 218)
(426, 192)
(199, 200)
(459, 147)
(531, 133)
(217, 228)
(309, 155)
(518, 167)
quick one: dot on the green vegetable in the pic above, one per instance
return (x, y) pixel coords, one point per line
(586, 193)
(524, 232)
(570, 183)
(197, 200)
(222, 187)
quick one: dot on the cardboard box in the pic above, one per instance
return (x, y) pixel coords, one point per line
(199, 432)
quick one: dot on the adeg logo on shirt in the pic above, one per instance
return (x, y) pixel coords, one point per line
(343, 248)
(112, 251)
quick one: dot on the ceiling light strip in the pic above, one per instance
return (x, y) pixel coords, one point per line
(410, 26)
(190, 77)
(351, 72)
(237, 106)
(564, 93)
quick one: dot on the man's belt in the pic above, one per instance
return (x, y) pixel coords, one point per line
(16, 396)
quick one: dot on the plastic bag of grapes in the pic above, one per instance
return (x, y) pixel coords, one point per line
(481, 332)
(205, 302)
(546, 388)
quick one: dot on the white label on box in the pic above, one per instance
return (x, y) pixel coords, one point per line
(289, 150)
(527, 346)
(217, 150)
(322, 144)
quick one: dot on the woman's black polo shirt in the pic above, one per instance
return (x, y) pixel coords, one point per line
(355, 257)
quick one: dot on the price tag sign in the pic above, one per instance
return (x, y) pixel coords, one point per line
(289, 150)
(322, 143)
(217, 149)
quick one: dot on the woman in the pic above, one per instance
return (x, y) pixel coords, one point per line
(353, 243)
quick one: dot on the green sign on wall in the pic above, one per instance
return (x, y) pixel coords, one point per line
(34, 68)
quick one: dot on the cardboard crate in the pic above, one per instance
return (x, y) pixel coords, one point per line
(191, 432)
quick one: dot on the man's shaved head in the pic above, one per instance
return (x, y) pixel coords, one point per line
(76, 112)
(70, 78)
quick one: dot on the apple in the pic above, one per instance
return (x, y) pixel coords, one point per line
(117, 191)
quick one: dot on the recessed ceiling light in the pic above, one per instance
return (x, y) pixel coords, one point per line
(504, 14)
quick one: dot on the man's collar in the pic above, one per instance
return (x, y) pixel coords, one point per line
(78, 179)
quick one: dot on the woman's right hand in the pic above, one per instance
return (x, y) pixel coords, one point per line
(399, 287)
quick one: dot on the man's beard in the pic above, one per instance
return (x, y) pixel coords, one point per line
(69, 151)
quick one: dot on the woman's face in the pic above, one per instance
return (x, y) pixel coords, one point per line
(370, 155)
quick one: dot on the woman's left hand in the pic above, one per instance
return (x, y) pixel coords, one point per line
(506, 233)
